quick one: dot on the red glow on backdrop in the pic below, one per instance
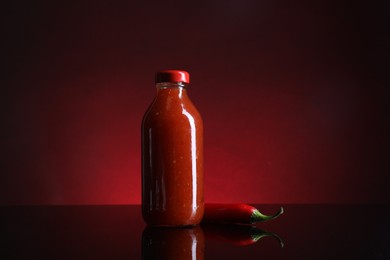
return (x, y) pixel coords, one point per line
(292, 97)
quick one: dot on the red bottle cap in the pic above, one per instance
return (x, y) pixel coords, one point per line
(173, 76)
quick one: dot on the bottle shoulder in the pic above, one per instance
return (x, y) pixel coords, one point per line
(172, 110)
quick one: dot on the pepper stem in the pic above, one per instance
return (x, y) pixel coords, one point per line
(257, 216)
(258, 234)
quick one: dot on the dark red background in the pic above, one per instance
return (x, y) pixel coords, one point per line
(294, 97)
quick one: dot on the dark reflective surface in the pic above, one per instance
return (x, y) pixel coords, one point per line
(118, 232)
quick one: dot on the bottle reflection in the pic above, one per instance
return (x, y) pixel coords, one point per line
(173, 243)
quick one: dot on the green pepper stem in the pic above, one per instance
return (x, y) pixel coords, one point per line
(257, 216)
(258, 234)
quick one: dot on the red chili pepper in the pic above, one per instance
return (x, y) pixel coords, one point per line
(235, 213)
(239, 235)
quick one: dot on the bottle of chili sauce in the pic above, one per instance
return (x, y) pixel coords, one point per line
(172, 155)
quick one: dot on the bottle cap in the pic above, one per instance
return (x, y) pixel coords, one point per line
(172, 76)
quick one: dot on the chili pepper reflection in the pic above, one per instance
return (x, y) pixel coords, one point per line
(173, 243)
(239, 235)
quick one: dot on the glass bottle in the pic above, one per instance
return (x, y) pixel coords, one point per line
(172, 155)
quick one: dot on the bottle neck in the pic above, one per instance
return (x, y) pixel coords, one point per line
(172, 89)
(164, 85)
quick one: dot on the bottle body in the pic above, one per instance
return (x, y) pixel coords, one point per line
(172, 159)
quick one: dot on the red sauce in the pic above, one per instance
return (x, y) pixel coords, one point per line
(172, 159)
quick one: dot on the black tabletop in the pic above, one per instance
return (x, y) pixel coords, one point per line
(118, 232)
